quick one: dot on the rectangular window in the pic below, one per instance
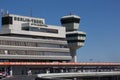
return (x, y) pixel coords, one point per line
(75, 35)
(15, 18)
(48, 30)
(26, 28)
(75, 41)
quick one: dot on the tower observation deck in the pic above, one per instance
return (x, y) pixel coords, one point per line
(75, 38)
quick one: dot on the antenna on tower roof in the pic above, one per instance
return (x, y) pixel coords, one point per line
(7, 12)
(2, 12)
(71, 13)
(30, 12)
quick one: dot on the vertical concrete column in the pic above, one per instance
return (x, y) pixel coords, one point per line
(73, 54)
(47, 71)
(61, 70)
(74, 78)
(11, 71)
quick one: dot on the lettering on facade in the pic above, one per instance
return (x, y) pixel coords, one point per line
(36, 22)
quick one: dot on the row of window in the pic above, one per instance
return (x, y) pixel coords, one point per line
(36, 29)
(30, 60)
(75, 35)
(32, 44)
(40, 53)
(35, 37)
(75, 41)
(70, 20)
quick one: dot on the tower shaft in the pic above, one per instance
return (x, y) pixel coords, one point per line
(73, 55)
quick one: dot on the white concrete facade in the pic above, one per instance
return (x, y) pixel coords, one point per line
(22, 21)
(49, 42)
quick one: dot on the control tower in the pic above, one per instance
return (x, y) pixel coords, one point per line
(74, 37)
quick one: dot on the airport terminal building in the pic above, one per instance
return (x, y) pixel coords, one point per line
(28, 41)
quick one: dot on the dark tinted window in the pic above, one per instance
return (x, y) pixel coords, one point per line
(29, 28)
(75, 35)
(25, 28)
(75, 41)
(70, 20)
(48, 30)
(6, 20)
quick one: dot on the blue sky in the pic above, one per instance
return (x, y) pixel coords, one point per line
(100, 19)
